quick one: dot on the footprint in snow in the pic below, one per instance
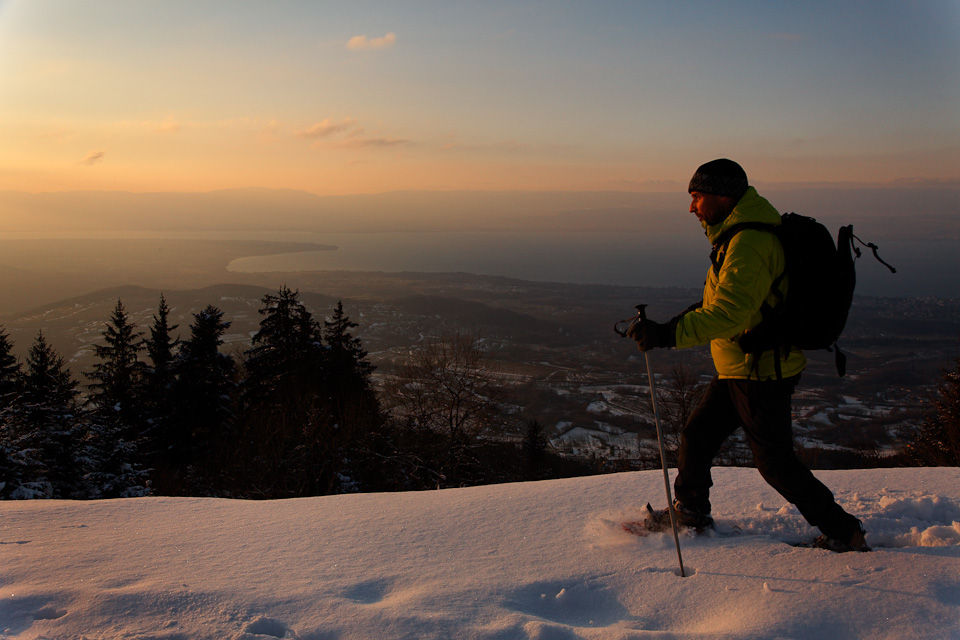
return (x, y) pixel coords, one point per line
(269, 627)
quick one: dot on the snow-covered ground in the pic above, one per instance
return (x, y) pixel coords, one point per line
(543, 560)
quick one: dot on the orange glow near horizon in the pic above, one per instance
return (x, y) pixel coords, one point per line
(180, 96)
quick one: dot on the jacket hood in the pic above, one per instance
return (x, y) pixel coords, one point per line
(752, 207)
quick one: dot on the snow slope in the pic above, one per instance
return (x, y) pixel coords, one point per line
(543, 560)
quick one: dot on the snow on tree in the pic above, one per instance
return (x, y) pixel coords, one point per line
(936, 442)
(42, 429)
(9, 370)
(116, 425)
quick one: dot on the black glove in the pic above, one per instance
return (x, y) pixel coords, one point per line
(653, 335)
(693, 307)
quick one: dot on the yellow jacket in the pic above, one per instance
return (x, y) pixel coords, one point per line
(732, 296)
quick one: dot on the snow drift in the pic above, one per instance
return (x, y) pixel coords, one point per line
(545, 560)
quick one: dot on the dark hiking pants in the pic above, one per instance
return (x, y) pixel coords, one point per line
(762, 408)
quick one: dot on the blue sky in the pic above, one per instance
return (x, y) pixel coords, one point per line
(360, 97)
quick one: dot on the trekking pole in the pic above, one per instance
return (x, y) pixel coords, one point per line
(641, 316)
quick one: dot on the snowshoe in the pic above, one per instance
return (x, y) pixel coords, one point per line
(656, 520)
(857, 542)
(690, 519)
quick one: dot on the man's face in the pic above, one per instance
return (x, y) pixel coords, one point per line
(710, 208)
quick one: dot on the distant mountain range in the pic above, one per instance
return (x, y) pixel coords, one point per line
(900, 212)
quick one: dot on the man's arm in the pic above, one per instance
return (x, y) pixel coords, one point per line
(732, 304)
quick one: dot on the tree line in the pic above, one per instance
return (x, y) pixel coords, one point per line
(297, 414)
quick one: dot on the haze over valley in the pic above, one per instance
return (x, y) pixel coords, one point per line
(552, 344)
(58, 245)
(66, 258)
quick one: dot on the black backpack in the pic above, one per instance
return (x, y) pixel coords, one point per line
(822, 280)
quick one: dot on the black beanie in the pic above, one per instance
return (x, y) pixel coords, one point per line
(720, 177)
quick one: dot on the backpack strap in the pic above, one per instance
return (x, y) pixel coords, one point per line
(720, 246)
(717, 256)
(719, 253)
(846, 235)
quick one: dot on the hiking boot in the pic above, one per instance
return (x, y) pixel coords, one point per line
(659, 519)
(856, 542)
(692, 519)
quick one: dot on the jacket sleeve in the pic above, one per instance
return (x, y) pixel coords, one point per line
(733, 297)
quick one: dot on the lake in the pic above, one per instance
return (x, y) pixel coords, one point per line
(924, 268)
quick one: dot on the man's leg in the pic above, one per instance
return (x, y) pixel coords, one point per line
(764, 408)
(710, 424)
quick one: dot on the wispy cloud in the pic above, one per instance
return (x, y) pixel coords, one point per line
(93, 158)
(363, 43)
(359, 142)
(346, 134)
(326, 127)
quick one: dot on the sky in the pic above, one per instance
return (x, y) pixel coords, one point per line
(367, 97)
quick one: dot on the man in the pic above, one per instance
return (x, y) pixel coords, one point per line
(752, 391)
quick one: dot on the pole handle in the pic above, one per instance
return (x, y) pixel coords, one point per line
(628, 323)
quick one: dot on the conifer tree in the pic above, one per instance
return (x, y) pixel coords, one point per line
(936, 442)
(286, 352)
(44, 432)
(114, 463)
(348, 367)
(354, 403)
(115, 433)
(117, 379)
(47, 381)
(158, 381)
(534, 447)
(9, 384)
(205, 376)
(286, 439)
(9, 370)
(160, 349)
(204, 391)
